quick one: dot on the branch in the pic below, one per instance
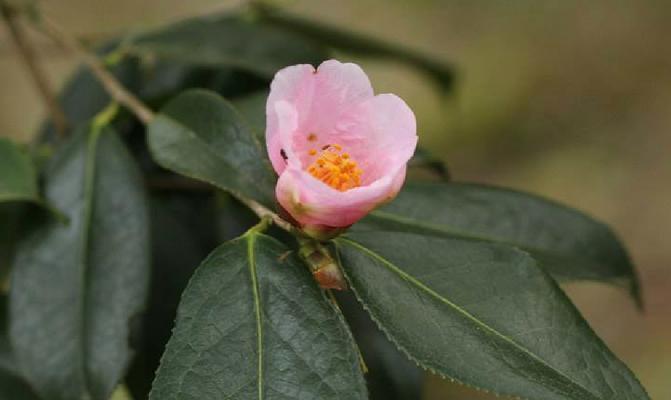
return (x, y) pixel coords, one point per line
(263, 212)
(113, 87)
(34, 68)
(122, 96)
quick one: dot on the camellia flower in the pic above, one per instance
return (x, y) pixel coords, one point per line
(339, 150)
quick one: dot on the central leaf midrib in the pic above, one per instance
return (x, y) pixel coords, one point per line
(89, 185)
(442, 229)
(251, 258)
(393, 268)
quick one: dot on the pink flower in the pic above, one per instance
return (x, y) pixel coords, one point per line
(340, 150)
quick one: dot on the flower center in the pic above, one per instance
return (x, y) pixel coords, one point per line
(335, 168)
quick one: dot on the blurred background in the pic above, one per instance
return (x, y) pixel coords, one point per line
(570, 99)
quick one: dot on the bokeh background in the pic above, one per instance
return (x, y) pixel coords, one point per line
(570, 99)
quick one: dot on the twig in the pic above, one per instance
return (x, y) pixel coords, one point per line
(137, 107)
(35, 69)
(110, 83)
(262, 212)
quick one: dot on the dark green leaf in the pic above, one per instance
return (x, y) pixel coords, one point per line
(200, 135)
(18, 178)
(425, 161)
(252, 324)
(12, 385)
(18, 199)
(568, 243)
(253, 109)
(233, 218)
(391, 375)
(76, 286)
(183, 233)
(483, 314)
(355, 43)
(83, 96)
(229, 41)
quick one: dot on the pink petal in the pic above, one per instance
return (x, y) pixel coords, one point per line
(311, 202)
(292, 85)
(309, 109)
(386, 134)
(318, 98)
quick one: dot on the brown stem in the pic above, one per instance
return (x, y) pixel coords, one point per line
(29, 59)
(119, 93)
(262, 212)
(135, 105)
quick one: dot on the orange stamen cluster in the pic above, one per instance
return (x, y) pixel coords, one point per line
(335, 168)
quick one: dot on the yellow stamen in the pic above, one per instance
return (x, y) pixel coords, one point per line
(312, 137)
(335, 169)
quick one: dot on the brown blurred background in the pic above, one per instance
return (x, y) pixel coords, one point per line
(567, 99)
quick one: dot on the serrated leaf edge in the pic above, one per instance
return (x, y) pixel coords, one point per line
(419, 362)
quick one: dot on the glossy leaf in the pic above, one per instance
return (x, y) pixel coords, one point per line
(200, 135)
(229, 41)
(342, 39)
(483, 314)
(568, 243)
(253, 325)
(18, 178)
(77, 286)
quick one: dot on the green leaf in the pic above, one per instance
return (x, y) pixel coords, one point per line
(483, 314)
(252, 324)
(390, 376)
(13, 387)
(199, 135)
(424, 161)
(83, 96)
(359, 44)
(568, 243)
(12, 384)
(18, 178)
(229, 41)
(183, 233)
(77, 286)
(19, 198)
(253, 108)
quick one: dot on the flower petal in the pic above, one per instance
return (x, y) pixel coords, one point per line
(318, 98)
(292, 87)
(385, 134)
(311, 202)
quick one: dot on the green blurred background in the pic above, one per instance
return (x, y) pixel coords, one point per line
(570, 99)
